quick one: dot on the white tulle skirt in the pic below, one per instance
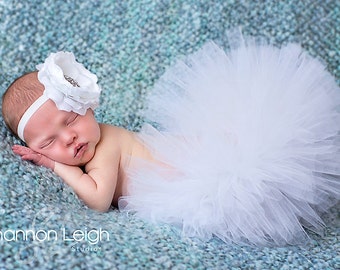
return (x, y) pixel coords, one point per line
(249, 142)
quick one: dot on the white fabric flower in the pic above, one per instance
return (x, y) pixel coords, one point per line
(68, 83)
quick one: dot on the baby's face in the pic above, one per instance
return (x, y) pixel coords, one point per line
(65, 137)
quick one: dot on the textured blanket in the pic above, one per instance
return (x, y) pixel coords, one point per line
(129, 44)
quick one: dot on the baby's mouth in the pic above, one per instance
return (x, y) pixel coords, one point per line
(80, 149)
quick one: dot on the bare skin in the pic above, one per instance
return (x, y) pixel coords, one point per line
(89, 156)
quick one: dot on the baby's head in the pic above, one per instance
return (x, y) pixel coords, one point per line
(19, 96)
(52, 109)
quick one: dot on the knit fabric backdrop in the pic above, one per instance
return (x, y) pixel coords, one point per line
(129, 44)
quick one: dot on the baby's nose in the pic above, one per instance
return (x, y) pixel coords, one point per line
(69, 137)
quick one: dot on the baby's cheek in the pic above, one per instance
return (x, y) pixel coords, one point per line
(58, 154)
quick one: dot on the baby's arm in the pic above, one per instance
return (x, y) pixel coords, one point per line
(96, 187)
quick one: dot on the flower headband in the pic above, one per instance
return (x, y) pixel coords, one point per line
(67, 83)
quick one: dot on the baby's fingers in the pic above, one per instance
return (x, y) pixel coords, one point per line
(22, 150)
(28, 154)
(32, 157)
(39, 159)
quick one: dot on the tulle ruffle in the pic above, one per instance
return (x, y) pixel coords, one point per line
(251, 143)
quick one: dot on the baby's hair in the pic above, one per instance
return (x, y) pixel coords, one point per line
(18, 97)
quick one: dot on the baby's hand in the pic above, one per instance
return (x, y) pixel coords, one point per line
(37, 158)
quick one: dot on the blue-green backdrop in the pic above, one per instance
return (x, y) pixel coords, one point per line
(129, 44)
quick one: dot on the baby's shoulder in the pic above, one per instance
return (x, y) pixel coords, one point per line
(107, 129)
(109, 132)
(115, 137)
(128, 143)
(111, 147)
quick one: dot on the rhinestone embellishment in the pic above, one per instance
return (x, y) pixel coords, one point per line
(71, 81)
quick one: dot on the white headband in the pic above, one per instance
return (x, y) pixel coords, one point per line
(28, 114)
(67, 83)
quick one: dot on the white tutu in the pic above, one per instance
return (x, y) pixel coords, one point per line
(251, 144)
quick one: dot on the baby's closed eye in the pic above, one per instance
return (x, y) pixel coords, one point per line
(47, 143)
(72, 119)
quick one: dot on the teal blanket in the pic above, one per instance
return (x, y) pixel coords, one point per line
(129, 44)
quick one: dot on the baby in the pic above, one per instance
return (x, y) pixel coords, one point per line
(88, 156)
(247, 143)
